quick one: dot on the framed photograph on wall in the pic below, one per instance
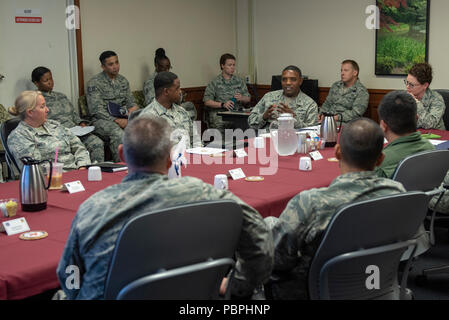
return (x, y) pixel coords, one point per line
(402, 39)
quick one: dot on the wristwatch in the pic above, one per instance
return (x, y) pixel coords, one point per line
(222, 104)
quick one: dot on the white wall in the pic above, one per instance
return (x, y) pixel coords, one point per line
(194, 33)
(317, 35)
(26, 46)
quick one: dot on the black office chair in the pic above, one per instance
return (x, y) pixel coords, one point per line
(177, 253)
(6, 128)
(425, 172)
(368, 234)
(445, 94)
(309, 87)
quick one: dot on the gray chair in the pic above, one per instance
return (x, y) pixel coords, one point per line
(178, 253)
(433, 167)
(374, 232)
(178, 284)
(445, 94)
(424, 171)
(5, 129)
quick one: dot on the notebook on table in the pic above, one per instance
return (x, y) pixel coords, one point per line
(110, 167)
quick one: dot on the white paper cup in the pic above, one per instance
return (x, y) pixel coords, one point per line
(94, 174)
(305, 164)
(221, 182)
(259, 142)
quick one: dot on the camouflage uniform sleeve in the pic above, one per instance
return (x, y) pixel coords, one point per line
(148, 91)
(22, 144)
(254, 250)
(359, 106)
(96, 104)
(429, 117)
(70, 257)
(288, 231)
(210, 92)
(443, 205)
(244, 89)
(77, 148)
(3, 114)
(75, 113)
(129, 96)
(255, 119)
(327, 105)
(311, 115)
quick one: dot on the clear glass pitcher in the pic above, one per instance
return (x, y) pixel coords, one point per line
(283, 134)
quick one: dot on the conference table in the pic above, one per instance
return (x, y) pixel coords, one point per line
(28, 268)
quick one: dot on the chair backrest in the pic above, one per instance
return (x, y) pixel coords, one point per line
(445, 94)
(423, 171)
(363, 234)
(5, 129)
(200, 281)
(309, 87)
(173, 238)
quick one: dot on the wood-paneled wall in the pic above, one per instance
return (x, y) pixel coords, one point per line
(257, 92)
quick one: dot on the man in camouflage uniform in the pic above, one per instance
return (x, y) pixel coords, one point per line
(168, 94)
(41, 143)
(430, 103)
(61, 110)
(95, 228)
(288, 100)
(109, 86)
(298, 232)
(348, 97)
(226, 92)
(148, 91)
(397, 115)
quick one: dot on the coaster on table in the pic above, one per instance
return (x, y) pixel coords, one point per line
(33, 235)
(255, 179)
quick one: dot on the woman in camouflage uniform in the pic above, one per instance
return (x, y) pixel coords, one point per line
(38, 138)
(62, 110)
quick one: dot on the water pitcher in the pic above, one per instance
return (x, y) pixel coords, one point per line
(283, 135)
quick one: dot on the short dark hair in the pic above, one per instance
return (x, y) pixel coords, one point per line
(38, 72)
(159, 56)
(225, 57)
(398, 110)
(361, 143)
(163, 80)
(422, 72)
(105, 55)
(354, 65)
(146, 141)
(293, 68)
